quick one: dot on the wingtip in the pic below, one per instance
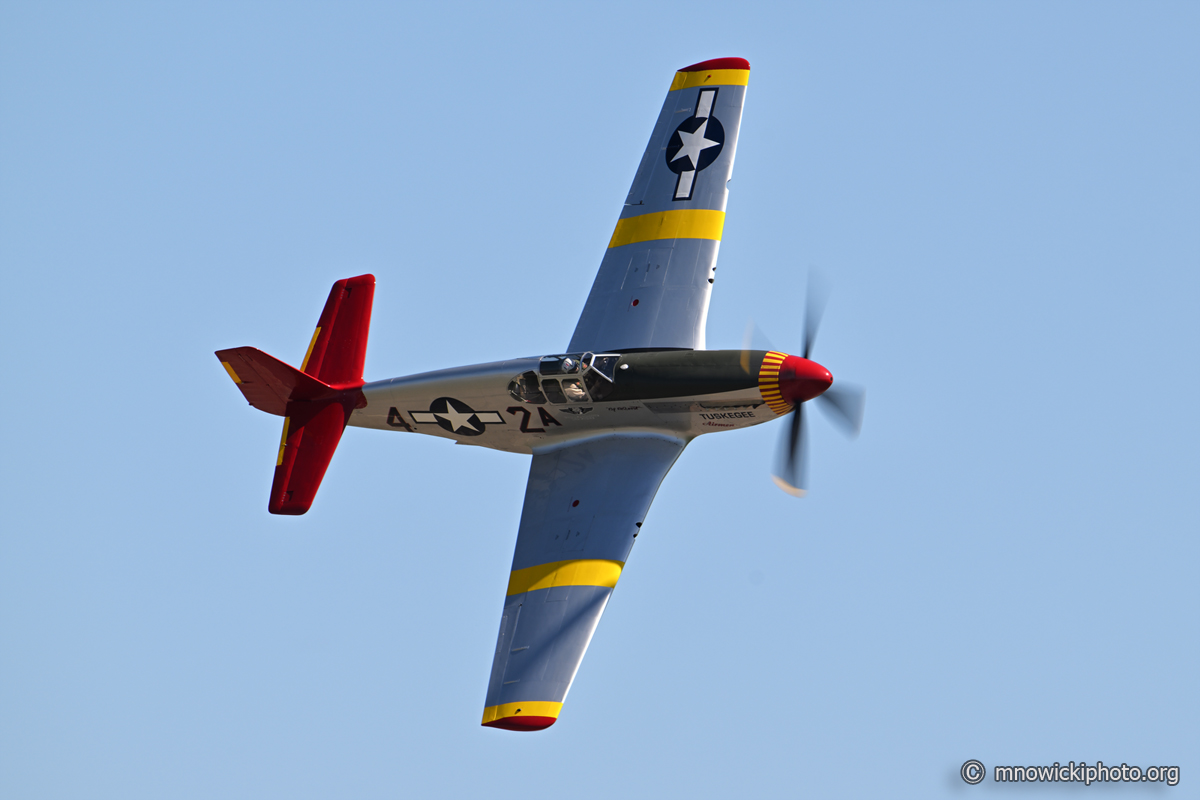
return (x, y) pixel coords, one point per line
(522, 723)
(718, 63)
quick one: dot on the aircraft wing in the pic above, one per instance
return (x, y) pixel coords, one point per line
(583, 507)
(656, 277)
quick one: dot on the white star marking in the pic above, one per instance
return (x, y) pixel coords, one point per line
(457, 419)
(693, 143)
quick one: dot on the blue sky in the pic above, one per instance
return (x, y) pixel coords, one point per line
(1003, 567)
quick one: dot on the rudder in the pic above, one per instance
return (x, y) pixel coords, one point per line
(339, 344)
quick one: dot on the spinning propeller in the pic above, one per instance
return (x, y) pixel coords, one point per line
(800, 380)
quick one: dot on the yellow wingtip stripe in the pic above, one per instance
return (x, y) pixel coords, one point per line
(232, 374)
(529, 708)
(688, 223)
(710, 77)
(582, 572)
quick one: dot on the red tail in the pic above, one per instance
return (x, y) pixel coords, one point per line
(315, 400)
(339, 344)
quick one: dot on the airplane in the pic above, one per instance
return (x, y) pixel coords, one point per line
(604, 419)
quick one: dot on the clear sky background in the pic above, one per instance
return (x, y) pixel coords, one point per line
(1004, 197)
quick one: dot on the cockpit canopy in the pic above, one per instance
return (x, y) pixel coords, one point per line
(571, 378)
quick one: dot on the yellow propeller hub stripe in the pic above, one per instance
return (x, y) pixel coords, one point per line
(584, 572)
(688, 223)
(768, 383)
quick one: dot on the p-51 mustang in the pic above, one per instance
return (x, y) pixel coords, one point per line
(604, 420)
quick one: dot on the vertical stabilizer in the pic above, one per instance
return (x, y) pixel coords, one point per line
(339, 344)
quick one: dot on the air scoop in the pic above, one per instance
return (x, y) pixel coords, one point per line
(801, 380)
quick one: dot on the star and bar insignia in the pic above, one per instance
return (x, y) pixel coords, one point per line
(457, 417)
(695, 144)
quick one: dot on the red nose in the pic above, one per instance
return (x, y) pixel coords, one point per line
(801, 379)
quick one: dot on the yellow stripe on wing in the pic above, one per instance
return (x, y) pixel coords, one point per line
(711, 77)
(529, 708)
(232, 374)
(583, 572)
(688, 223)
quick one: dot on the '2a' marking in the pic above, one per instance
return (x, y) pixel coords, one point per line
(545, 416)
(524, 412)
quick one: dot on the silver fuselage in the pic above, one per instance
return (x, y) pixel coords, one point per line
(682, 394)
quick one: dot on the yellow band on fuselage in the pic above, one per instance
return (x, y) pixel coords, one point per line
(530, 708)
(688, 223)
(710, 77)
(584, 572)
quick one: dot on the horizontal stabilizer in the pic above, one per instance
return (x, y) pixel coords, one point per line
(268, 383)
